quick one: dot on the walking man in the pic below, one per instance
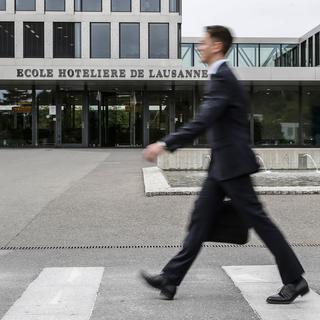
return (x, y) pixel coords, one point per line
(223, 115)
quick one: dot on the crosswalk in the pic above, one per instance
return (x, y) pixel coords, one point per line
(71, 294)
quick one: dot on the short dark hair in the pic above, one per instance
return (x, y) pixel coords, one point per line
(222, 34)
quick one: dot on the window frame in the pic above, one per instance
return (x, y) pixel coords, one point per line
(149, 31)
(46, 10)
(146, 11)
(35, 7)
(41, 56)
(133, 23)
(111, 3)
(107, 23)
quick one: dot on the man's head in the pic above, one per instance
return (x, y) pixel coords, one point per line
(215, 44)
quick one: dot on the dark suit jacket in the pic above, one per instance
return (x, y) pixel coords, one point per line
(224, 116)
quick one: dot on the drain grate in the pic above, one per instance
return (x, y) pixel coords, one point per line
(211, 245)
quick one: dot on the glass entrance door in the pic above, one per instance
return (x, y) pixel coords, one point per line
(158, 107)
(72, 118)
(121, 120)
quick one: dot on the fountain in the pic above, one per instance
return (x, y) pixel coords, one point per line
(314, 163)
(263, 163)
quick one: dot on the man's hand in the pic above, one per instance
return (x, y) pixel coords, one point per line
(152, 151)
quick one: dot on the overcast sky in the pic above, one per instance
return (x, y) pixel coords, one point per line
(252, 18)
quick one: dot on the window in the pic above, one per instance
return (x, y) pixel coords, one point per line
(121, 5)
(248, 55)
(150, 6)
(55, 5)
(33, 40)
(88, 5)
(2, 5)
(187, 54)
(6, 39)
(100, 40)
(317, 48)
(289, 55)
(25, 5)
(158, 40)
(269, 55)
(303, 53)
(310, 50)
(232, 55)
(174, 6)
(66, 40)
(129, 40)
(179, 41)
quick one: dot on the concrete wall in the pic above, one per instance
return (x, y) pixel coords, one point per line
(284, 158)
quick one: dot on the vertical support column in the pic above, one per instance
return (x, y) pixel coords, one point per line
(146, 117)
(18, 30)
(48, 39)
(251, 116)
(300, 130)
(85, 40)
(172, 109)
(40, 6)
(85, 120)
(58, 117)
(69, 6)
(34, 118)
(115, 40)
(144, 40)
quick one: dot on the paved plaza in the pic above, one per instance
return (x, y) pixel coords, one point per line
(76, 228)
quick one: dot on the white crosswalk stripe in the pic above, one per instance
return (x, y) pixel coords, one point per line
(59, 293)
(71, 294)
(258, 282)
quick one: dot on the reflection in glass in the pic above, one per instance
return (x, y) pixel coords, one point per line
(311, 116)
(150, 5)
(25, 5)
(197, 57)
(248, 55)
(2, 5)
(158, 40)
(270, 55)
(15, 117)
(45, 100)
(158, 105)
(310, 51)
(304, 54)
(232, 56)
(88, 5)
(55, 5)
(6, 39)
(71, 118)
(317, 48)
(290, 55)
(183, 107)
(187, 54)
(66, 40)
(33, 40)
(100, 40)
(174, 6)
(129, 40)
(121, 5)
(276, 115)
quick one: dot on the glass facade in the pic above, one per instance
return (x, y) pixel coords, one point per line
(130, 40)
(317, 48)
(248, 55)
(175, 6)
(276, 115)
(232, 55)
(304, 55)
(88, 5)
(66, 40)
(25, 5)
(100, 40)
(6, 39)
(270, 55)
(289, 55)
(158, 40)
(150, 6)
(121, 5)
(2, 5)
(54, 5)
(33, 40)
(15, 117)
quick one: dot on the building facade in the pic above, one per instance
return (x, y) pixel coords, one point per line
(116, 73)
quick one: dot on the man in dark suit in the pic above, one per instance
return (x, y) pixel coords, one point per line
(223, 115)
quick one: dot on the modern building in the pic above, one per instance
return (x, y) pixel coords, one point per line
(116, 73)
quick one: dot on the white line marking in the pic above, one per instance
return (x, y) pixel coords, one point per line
(256, 283)
(59, 293)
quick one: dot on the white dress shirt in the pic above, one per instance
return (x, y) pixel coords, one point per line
(214, 67)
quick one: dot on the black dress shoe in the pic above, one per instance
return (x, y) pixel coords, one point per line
(167, 290)
(289, 292)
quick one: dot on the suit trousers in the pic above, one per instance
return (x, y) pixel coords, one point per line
(243, 196)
